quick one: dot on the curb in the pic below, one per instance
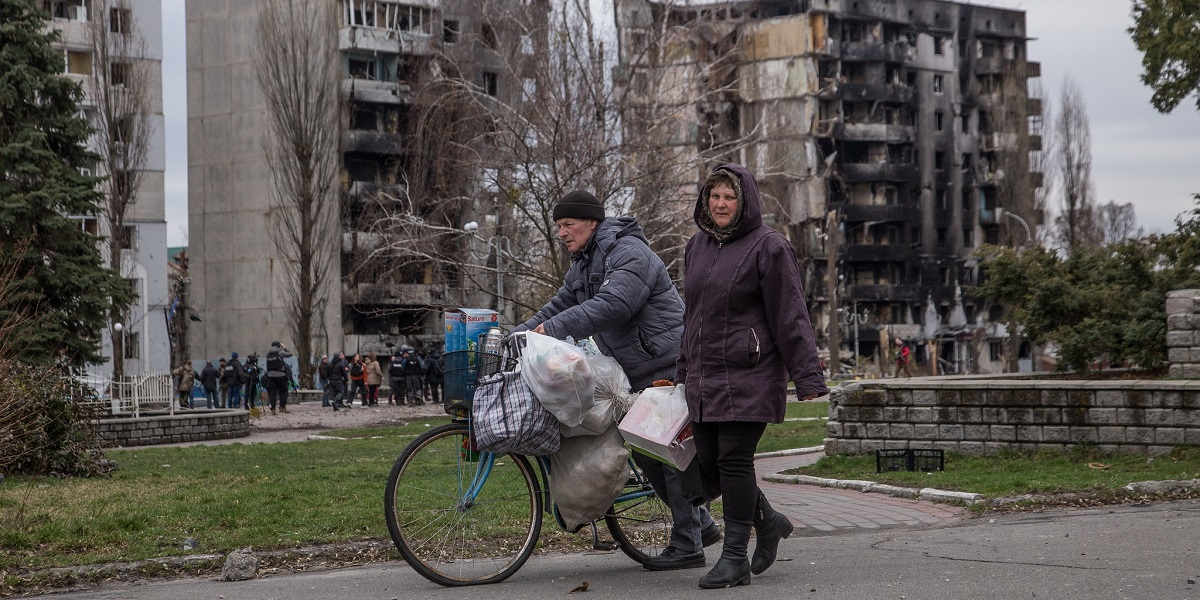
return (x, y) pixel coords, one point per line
(928, 494)
(59, 578)
(791, 452)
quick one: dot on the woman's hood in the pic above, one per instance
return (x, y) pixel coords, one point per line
(749, 205)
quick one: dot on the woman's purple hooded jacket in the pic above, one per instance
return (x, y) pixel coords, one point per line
(746, 327)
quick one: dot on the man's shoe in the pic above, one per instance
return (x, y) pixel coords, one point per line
(672, 559)
(710, 535)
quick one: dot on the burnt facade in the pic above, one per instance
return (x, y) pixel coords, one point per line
(890, 136)
(398, 154)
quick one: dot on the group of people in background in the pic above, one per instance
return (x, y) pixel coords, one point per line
(412, 379)
(227, 383)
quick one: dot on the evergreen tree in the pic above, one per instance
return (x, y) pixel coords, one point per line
(62, 284)
(1166, 33)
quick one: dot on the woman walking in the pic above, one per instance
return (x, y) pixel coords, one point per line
(374, 379)
(746, 332)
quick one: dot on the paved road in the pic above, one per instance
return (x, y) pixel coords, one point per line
(1138, 552)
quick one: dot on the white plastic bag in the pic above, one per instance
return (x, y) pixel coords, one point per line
(559, 376)
(597, 419)
(586, 475)
(608, 401)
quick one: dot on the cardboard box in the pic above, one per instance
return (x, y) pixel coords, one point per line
(465, 325)
(658, 426)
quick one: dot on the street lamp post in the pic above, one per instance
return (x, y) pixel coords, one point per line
(502, 245)
(854, 318)
(1001, 213)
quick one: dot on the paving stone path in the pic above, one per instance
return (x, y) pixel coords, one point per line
(827, 511)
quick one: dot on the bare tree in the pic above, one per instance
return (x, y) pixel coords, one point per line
(297, 65)
(123, 88)
(13, 316)
(178, 286)
(1042, 160)
(1117, 222)
(1076, 223)
(1007, 161)
(543, 119)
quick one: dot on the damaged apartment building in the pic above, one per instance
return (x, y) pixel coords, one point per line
(388, 51)
(891, 139)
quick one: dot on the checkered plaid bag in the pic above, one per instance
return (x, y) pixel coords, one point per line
(507, 418)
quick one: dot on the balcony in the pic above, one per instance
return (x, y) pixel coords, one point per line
(372, 142)
(895, 52)
(891, 93)
(389, 41)
(992, 65)
(884, 213)
(1033, 69)
(986, 177)
(1035, 142)
(401, 294)
(1034, 106)
(876, 132)
(362, 241)
(886, 293)
(378, 92)
(863, 172)
(367, 189)
(877, 253)
(1037, 179)
(987, 216)
(76, 31)
(997, 141)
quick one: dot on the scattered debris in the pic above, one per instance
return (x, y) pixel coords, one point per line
(583, 587)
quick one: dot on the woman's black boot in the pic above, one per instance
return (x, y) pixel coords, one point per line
(770, 527)
(732, 569)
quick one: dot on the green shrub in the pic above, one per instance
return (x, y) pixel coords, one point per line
(46, 423)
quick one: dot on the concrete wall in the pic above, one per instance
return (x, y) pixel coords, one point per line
(984, 416)
(237, 279)
(166, 429)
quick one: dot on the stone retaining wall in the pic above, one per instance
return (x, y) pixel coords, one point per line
(1183, 333)
(983, 416)
(193, 426)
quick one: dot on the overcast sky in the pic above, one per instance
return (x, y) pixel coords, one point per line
(1139, 155)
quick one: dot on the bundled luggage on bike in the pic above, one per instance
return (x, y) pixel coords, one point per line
(465, 501)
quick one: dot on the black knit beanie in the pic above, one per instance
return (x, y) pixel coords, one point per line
(579, 205)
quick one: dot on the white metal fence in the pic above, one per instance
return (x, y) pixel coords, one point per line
(134, 394)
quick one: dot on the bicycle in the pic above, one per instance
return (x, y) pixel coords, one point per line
(460, 516)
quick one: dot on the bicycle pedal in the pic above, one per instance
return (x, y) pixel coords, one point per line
(604, 546)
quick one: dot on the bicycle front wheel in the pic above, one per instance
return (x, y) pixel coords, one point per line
(451, 533)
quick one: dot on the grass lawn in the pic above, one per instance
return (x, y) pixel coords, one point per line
(231, 496)
(1013, 474)
(796, 434)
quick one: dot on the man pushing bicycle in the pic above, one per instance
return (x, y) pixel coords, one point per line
(618, 291)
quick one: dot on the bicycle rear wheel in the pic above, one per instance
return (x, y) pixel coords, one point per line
(639, 521)
(445, 534)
